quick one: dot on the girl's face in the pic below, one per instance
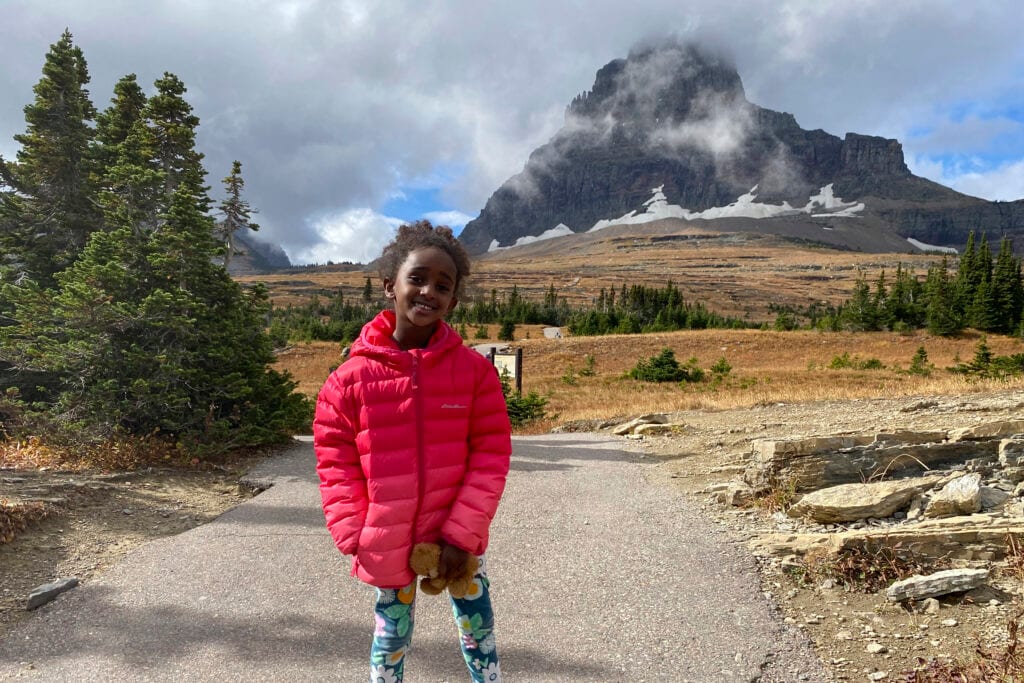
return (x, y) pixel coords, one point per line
(423, 292)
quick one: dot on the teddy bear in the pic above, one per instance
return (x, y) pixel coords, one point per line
(425, 559)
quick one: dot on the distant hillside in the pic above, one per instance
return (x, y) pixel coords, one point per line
(668, 133)
(257, 257)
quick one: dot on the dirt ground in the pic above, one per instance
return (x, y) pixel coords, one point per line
(95, 519)
(857, 635)
(98, 518)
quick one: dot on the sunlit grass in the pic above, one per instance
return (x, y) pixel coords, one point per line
(767, 368)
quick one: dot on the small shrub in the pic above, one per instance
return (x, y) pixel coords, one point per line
(848, 362)
(508, 331)
(786, 322)
(481, 332)
(861, 570)
(721, 367)
(692, 372)
(661, 368)
(522, 409)
(778, 498)
(987, 365)
(919, 364)
(15, 517)
(572, 375)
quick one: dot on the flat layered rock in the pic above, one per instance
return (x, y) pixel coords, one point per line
(850, 502)
(933, 585)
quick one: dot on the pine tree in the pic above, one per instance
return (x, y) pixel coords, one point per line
(941, 318)
(235, 213)
(878, 304)
(147, 333)
(47, 211)
(171, 126)
(1007, 292)
(116, 123)
(860, 313)
(968, 276)
(155, 156)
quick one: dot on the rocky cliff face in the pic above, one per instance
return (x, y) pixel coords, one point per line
(676, 117)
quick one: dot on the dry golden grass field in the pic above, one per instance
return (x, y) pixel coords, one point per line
(739, 274)
(735, 274)
(766, 367)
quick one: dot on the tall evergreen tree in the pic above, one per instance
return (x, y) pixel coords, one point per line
(982, 314)
(235, 213)
(146, 332)
(860, 312)
(115, 124)
(155, 156)
(47, 209)
(968, 275)
(942, 318)
(1007, 290)
(172, 130)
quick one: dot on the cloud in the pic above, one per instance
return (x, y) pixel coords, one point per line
(333, 104)
(1001, 182)
(356, 235)
(456, 220)
(719, 126)
(971, 135)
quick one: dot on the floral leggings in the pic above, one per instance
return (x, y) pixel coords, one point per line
(395, 611)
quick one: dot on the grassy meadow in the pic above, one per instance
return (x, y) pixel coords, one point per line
(766, 367)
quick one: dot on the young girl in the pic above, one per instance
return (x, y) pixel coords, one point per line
(413, 441)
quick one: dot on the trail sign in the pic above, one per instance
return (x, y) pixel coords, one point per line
(510, 362)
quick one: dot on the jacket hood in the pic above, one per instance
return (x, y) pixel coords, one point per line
(375, 341)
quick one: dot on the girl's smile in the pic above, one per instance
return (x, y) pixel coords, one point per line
(424, 293)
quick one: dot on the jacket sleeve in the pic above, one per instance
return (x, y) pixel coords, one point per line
(342, 482)
(490, 450)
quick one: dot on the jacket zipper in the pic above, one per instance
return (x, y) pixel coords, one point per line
(420, 464)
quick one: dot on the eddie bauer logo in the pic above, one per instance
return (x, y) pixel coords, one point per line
(453, 406)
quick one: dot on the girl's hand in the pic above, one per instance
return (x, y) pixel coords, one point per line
(453, 561)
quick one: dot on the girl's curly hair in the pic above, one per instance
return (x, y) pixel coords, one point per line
(419, 235)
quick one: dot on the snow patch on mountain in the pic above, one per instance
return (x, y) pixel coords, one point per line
(560, 230)
(931, 247)
(823, 204)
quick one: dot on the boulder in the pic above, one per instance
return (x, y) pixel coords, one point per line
(659, 429)
(850, 502)
(940, 583)
(961, 496)
(48, 592)
(1011, 452)
(735, 494)
(992, 498)
(649, 419)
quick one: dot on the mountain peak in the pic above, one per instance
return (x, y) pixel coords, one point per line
(674, 118)
(659, 82)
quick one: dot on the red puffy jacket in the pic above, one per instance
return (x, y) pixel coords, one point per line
(411, 446)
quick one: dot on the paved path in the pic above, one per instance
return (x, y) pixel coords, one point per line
(599, 573)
